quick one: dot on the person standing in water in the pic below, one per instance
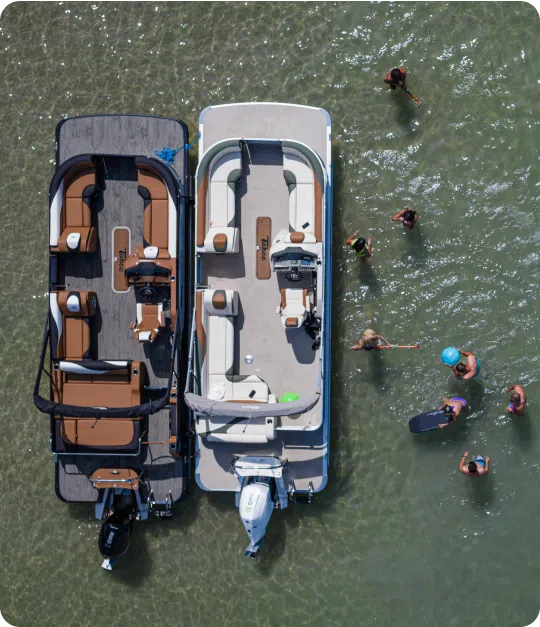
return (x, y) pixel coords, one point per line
(452, 407)
(407, 216)
(396, 77)
(360, 247)
(468, 370)
(369, 341)
(518, 400)
(477, 467)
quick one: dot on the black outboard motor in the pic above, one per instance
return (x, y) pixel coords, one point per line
(115, 533)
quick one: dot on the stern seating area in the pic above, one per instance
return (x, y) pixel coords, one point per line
(305, 197)
(111, 383)
(216, 312)
(216, 204)
(71, 229)
(71, 315)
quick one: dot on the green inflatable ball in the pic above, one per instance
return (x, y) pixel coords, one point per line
(290, 396)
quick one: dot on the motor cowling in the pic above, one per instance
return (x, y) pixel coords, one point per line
(256, 507)
(115, 534)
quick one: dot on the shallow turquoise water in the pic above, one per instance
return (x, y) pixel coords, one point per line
(398, 537)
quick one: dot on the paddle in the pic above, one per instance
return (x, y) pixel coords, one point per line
(400, 346)
(408, 91)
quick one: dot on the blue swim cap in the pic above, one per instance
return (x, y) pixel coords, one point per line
(450, 356)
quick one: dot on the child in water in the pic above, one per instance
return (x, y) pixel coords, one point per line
(407, 216)
(518, 400)
(358, 245)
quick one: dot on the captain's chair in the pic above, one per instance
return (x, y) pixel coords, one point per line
(150, 321)
(293, 308)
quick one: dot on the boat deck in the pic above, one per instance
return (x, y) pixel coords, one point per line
(284, 359)
(119, 205)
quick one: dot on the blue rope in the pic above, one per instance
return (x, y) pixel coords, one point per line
(168, 154)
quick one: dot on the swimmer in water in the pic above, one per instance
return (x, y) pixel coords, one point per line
(518, 400)
(468, 370)
(477, 467)
(369, 341)
(407, 216)
(396, 77)
(360, 247)
(452, 407)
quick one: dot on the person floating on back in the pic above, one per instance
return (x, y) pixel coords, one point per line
(452, 407)
(369, 341)
(518, 400)
(360, 247)
(407, 216)
(396, 77)
(477, 467)
(468, 370)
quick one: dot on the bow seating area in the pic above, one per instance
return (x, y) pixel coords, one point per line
(216, 217)
(71, 229)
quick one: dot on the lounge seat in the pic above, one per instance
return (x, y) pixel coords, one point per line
(216, 311)
(77, 235)
(150, 321)
(160, 216)
(104, 384)
(71, 314)
(293, 308)
(216, 202)
(305, 194)
(253, 431)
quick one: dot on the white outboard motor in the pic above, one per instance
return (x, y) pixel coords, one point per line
(256, 507)
(261, 490)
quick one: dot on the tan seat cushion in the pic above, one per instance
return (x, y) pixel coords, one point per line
(102, 394)
(76, 338)
(98, 433)
(152, 182)
(156, 223)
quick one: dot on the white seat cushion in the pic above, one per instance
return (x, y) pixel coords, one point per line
(225, 170)
(300, 178)
(293, 307)
(220, 342)
(73, 240)
(151, 252)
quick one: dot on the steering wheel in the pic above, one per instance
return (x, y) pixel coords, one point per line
(293, 275)
(148, 292)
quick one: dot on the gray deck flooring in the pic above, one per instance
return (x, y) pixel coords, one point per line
(266, 121)
(133, 135)
(120, 205)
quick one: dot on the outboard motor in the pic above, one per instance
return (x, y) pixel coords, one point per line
(261, 490)
(115, 533)
(256, 507)
(119, 504)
